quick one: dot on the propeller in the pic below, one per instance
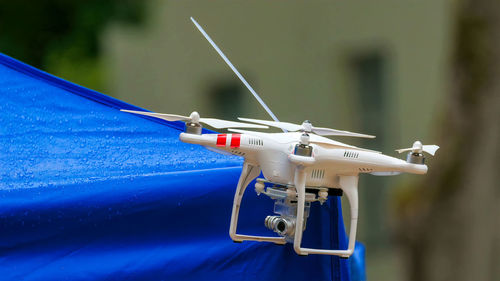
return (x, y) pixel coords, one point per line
(287, 138)
(195, 118)
(418, 148)
(306, 127)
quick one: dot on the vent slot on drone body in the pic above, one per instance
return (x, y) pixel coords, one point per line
(351, 154)
(253, 141)
(367, 170)
(317, 174)
(238, 152)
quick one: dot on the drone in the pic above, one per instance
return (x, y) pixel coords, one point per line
(300, 166)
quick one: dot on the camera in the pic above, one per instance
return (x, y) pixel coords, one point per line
(281, 225)
(285, 208)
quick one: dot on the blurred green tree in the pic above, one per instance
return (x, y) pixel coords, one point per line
(62, 37)
(451, 226)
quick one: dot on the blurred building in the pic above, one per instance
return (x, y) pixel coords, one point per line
(374, 67)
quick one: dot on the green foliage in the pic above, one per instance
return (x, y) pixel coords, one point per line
(62, 37)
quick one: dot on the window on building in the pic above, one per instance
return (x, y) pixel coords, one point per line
(226, 99)
(370, 87)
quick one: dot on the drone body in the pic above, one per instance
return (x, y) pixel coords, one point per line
(275, 154)
(300, 167)
(293, 166)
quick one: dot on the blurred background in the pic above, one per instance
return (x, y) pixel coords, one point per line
(402, 70)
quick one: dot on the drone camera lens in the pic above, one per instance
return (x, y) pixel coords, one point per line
(281, 226)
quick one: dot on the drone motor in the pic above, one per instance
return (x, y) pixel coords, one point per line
(303, 148)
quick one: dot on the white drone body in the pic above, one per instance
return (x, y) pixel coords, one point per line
(299, 166)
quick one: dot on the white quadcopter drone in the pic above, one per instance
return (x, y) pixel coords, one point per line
(300, 167)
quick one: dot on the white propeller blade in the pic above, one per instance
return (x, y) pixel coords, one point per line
(292, 137)
(168, 117)
(212, 122)
(282, 125)
(228, 62)
(333, 132)
(221, 124)
(418, 147)
(401, 150)
(431, 149)
(317, 130)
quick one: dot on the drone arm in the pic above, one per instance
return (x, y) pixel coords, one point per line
(349, 184)
(248, 174)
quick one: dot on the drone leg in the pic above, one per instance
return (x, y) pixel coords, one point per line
(349, 184)
(248, 174)
(300, 186)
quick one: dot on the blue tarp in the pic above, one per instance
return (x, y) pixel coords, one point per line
(89, 192)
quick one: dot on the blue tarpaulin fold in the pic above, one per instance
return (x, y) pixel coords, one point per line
(89, 192)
